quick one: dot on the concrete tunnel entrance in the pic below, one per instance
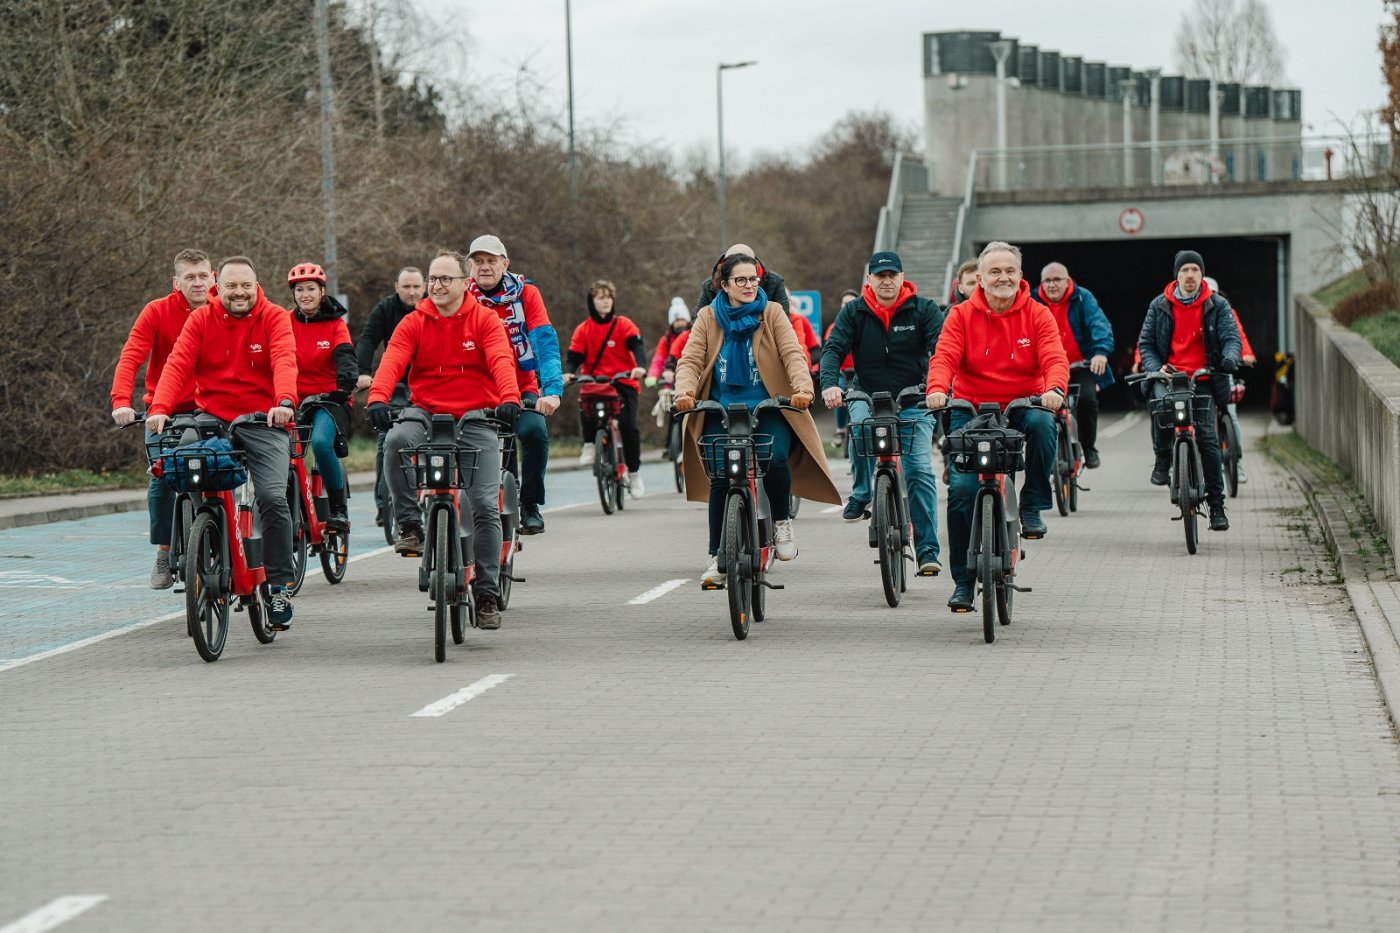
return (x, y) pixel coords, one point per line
(1125, 275)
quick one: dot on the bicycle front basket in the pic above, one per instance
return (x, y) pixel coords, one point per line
(211, 465)
(987, 449)
(439, 467)
(725, 456)
(879, 437)
(1172, 410)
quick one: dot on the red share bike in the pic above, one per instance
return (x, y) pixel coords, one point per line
(609, 466)
(306, 498)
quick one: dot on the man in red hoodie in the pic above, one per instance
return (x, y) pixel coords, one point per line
(997, 346)
(239, 354)
(152, 337)
(459, 359)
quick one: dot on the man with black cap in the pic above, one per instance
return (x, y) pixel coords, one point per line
(890, 333)
(1188, 328)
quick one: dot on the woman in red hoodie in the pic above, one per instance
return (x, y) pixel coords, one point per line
(326, 366)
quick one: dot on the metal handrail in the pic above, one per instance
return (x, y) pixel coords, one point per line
(963, 210)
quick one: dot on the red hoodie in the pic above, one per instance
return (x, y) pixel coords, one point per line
(456, 363)
(615, 357)
(317, 341)
(990, 357)
(882, 313)
(1061, 311)
(153, 335)
(1188, 350)
(237, 365)
(806, 337)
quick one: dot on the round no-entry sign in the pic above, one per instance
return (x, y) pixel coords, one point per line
(1131, 221)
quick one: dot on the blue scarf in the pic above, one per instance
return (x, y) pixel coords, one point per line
(738, 325)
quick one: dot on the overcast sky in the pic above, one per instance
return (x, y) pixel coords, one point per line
(650, 66)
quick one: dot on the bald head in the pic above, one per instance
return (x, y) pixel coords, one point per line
(739, 249)
(1054, 281)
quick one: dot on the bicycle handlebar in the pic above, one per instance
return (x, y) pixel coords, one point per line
(580, 378)
(780, 401)
(1173, 376)
(917, 393)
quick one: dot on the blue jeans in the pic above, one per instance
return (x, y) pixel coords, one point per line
(919, 477)
(533, 432)
(1039, 427)
(160, 504)
(323, 449)
(777, 481)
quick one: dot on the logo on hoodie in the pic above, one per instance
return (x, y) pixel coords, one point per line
(468, 344)
(255, 347)
(1023, 342)
(323, 345)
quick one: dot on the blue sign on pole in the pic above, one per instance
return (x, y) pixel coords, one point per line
(809, 305)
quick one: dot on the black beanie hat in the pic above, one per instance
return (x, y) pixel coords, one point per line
(1188, 256)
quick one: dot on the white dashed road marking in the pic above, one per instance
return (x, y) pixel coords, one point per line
(448, 703)
(656, 592)
(57, 911)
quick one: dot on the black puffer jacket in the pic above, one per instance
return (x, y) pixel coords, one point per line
(770, 281)
(1218, 332)
(885, 360)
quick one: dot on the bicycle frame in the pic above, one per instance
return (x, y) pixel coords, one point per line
(605, 410)
(883, 428)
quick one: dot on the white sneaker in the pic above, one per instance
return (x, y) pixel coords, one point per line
(635, 487)
(712, 576)
(1244, 477)
(585, 456)
(782, 540)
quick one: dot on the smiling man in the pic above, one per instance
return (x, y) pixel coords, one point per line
(999, 345)
(890, 332)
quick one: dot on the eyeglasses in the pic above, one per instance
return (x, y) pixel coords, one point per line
(744, 281)
(1053, 281)
(443, 279)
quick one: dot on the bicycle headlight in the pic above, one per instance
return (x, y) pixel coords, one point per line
(984, 453)
(736, 457)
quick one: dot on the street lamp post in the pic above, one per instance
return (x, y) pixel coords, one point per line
(719, 99)
(1128, 87)
(323, 58)
(573, 157)
(1000, 50)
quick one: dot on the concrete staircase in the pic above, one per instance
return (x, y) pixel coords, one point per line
(924, 238)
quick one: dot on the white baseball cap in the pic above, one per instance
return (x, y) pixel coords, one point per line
(488, 243)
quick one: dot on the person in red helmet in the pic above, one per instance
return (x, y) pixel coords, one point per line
(326, 367)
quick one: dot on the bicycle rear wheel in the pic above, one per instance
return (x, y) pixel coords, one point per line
(887, 539)
(604, 470)
(987, 566)
(1186, 493)
(1062, 469)
(257, 616)
(1230, 455)
(444, 586)
(737, 550)
(206, 604)
(335, 553)
(674, 448)
(301, 538)
(620, 484)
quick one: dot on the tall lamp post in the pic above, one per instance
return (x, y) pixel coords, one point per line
(573, 157)
(719, 98)
(323, 58)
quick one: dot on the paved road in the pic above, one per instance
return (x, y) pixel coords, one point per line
(1160, 742)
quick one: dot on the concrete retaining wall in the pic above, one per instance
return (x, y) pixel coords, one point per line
(1348, 404)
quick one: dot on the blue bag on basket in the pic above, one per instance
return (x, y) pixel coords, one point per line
(204, 466)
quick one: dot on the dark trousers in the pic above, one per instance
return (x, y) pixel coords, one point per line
(777, 481)
(1206, 439)
(269, 453)
(1087, 411)
(533, 432)
(627, 425)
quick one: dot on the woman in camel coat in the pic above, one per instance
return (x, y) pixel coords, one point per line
(742, 348)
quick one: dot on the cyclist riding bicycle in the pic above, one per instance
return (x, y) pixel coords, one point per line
(1087, 335)
(538, 371)
(743, 349)
(999, 345)
(770, 281)
(459, 359)
(239, 353)
(670, 345)
(151, 339)
(379, 327)
(607, 343)
(326, 366)
(890, 333)
(1189, 327)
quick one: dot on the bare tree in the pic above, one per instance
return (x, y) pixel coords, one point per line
(1232, 41)
(1390, 68)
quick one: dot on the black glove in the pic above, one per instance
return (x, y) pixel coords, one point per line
(507, 412)
(339, 397)
(1229, 366)
(380, 418)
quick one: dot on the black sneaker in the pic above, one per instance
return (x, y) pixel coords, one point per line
(855, 510)
(488, 612)
(531, 522)
(1218, 521)
(410, 541)
(1161, 472)
(1032, 525)
(1091, 459)
(279, 608)
(961, 600)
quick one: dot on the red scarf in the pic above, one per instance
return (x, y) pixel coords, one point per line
(1061, 311)
(884, 314)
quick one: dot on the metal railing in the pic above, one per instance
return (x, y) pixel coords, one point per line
(908, 174)
(960, 227)
(1169, 163)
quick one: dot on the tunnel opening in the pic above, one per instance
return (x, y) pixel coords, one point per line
(1125, 275)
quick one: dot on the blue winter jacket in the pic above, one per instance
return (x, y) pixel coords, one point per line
(1090, 327)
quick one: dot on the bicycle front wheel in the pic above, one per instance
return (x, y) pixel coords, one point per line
(1062, 470)
(1230, 455)
(604, 471)
(301, 538)
(674, 447)
(886, 519)
(988, 563)
(444, 585)
(1186, 494)
(258, 618)
(739, 575)
(206, 604)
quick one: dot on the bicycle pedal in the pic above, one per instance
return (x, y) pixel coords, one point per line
(410, 553)
(712, 586)
(178, 590)
(960, 610)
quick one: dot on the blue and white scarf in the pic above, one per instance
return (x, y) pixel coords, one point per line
(738, 325)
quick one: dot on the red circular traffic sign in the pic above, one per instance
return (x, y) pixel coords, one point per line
(1131, 221)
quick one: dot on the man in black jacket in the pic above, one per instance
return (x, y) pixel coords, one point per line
(383, 318)
(890, 333)
(770, 281)
(1188, 328)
